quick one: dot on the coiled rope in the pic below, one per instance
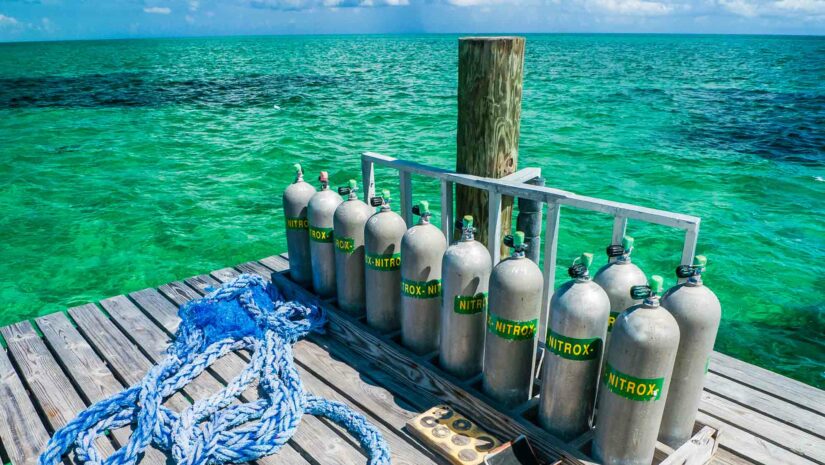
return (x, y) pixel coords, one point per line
(247, 313)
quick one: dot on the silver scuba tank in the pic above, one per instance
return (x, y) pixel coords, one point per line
(635, 380)
(465, 271)
(574, 348)
(422, 249)
(512, 320)
(617, 277)
(296, 198)
(348, 222)
(321, 209)
(698, 312)
(382, 265)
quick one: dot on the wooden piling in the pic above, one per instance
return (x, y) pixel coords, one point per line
(490, 77)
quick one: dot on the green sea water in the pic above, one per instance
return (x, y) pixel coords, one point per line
(128, 164)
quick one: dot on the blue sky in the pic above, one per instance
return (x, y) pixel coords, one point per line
(93, 19)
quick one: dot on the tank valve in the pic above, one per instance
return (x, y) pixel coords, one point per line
(516, 242)
(692, 271)
(621, 250)
(422, 210)
(466, 227)
(383, 201)
(299, 172)
(324, 179)
(349, 190)
(649, 292)
(580, 267)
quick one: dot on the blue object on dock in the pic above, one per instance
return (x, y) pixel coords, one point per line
(249, 314)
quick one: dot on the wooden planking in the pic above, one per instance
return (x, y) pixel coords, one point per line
(744, 444)
(796, 441)
(120, 353)
(789, 390)
(21, 431)
(48, 385)
(794, 417)
(89, 373)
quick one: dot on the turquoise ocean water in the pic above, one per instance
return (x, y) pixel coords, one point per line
(128, 164)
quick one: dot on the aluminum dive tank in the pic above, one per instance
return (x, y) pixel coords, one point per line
(321, 209)
(465, 271)
(698, 312)
(422, 249)
(348, 222)
(574, 347)
(635, 380)
(512, 320)
(382, 260)
(617, 277)
(296, 198)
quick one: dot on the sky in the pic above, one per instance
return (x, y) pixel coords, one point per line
(102, 19)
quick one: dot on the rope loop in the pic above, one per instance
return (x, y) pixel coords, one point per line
(245, 314)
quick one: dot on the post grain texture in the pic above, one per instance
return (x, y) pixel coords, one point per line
(490, 77)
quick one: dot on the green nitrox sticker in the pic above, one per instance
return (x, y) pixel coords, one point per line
(297, 223)
(345, 244)
(572, 348)
(383, 262)
(470, 304)
(421, 289)
(511, 329)
(611, 320)
(320, 234)
(639, 389)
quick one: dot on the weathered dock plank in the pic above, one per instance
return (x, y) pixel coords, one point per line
(47, 383)
(89, 373)
(21, 431)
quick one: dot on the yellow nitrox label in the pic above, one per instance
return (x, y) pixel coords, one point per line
(345, 244)
(630, 387)
(470, 304)
(297, 223)
(421, 289)
(516, 330)
(320, 234)
(383, 262)
(611, 320)
(572, 348)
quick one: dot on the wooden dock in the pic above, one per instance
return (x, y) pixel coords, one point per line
(58, 364)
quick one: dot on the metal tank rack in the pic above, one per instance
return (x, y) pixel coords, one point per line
(704, 443)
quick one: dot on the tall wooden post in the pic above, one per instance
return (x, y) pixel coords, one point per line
(490, 76)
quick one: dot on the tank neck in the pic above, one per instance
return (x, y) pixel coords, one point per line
(651, 302)
(624, 259)
(424, 219)
(517, 254)
(467, 235)
(352, 196)
(385, 208)
(695, 280)
(583, 279)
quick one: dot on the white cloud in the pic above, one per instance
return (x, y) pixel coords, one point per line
(157, 10)
(631, 7)
(816, 7)
(8, 21)
(740, 7)
(312, 4)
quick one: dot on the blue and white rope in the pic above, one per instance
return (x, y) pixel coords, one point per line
(249, 314)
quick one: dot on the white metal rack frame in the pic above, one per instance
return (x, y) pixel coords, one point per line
(514, 185)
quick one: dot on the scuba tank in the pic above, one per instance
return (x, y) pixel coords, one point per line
(422, 249)
(382, 260)
(617, 277)
(512, 320)
(465, 270)
(697, 311)
(349, 220)
(296, 199)
(322, 206)
(574, 348)
(635, 380)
